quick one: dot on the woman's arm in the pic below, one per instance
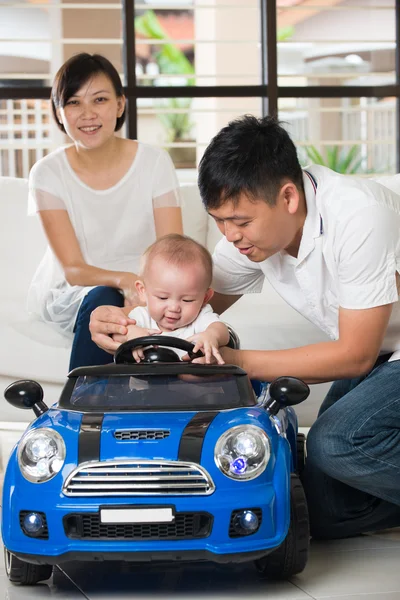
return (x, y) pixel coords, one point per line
(168, 219)
(64, 243)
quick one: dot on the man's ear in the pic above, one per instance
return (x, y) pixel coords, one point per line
(141, 290)
(208, 296)
(290, 196)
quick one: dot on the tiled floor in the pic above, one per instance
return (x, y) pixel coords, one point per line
(363, 568)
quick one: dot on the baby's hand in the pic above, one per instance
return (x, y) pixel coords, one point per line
(137, 353)
(117, 337)
(207, 342)
(135, 332)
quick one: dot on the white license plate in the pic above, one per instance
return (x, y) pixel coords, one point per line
(136, 515)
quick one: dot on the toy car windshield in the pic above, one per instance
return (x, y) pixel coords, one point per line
(160, 392)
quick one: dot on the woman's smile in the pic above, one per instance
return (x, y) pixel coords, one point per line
(90, 129)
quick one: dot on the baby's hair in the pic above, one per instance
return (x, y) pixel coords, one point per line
(178, 250)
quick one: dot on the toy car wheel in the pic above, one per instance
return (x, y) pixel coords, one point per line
(301, 453)
(25, 573)
(291, 556)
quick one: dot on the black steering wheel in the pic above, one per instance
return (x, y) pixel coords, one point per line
(124, 352)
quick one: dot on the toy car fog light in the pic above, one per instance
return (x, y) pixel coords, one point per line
(247, 522)
(41, 454)
(32, 524)
(242, 452)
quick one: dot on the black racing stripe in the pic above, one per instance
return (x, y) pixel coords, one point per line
(89, 437)
(191, 443)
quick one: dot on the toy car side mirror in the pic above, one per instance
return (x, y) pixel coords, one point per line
(26, 394)
(286, 391)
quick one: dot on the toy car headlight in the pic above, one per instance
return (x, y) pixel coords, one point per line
(242, 452)
(41, 454)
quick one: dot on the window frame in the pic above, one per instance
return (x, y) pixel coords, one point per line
(268, 91)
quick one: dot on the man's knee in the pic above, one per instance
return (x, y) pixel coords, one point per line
(328, 447)
(317, 448)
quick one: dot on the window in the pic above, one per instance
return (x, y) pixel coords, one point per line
(328, 68)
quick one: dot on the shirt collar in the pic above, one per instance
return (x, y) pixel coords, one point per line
(313, 225)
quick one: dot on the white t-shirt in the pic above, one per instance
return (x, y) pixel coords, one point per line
(113, 226)
(205, 317)
(349, 255)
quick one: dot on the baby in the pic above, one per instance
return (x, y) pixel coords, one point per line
(176, 274)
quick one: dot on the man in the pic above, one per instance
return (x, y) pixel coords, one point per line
(330, 246)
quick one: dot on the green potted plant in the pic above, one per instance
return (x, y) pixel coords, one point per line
(340, 160)
(175, 115)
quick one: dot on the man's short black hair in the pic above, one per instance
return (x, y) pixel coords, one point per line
(77, 71)
(249, 156)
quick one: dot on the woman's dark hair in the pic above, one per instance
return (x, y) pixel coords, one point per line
(74, 73)
(249, 156)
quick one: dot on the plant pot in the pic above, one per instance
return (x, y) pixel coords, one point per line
(184, 157)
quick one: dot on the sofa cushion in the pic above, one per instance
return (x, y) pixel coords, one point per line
(195, 218)
(24, 355)
(390, 181)
(22, 243)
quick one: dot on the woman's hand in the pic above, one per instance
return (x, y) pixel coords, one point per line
(106, 321)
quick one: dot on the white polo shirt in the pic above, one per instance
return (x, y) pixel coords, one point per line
(348, 256)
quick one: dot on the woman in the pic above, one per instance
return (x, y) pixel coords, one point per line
(101, 200)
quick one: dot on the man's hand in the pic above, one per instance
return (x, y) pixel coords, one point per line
(231, 356)
(208, 343)
(106, 321)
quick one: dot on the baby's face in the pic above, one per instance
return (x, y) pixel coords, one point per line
(174, 295)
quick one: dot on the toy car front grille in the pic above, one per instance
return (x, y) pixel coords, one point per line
(186, 526)
(141, 434)
(138, 478)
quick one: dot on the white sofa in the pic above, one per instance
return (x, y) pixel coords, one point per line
(31, 349)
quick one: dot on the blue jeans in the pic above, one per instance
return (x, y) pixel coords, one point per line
(352, 474)
(85, 352)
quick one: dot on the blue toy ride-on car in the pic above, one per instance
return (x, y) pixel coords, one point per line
(161, 460)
